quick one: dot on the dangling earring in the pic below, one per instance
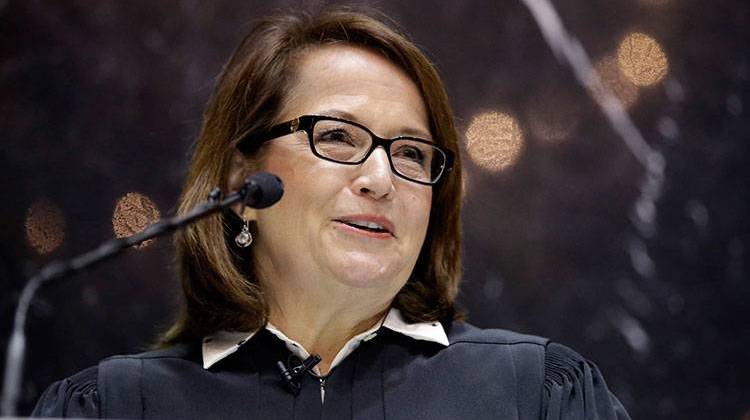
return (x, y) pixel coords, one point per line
(244, 238)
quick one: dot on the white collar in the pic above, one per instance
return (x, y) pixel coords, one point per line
(221, 344)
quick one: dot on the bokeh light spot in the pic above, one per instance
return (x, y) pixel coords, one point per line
(45, 226)
(494, 141)
(550, 116)
(642, 59)
(615, 81)
(133, 213)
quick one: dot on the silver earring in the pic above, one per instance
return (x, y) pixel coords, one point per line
(244, 238)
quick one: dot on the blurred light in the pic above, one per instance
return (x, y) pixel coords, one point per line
(632, 330)
(640, 260)
(668, 128)
(45, 226)
(698, 213)
(551, 115)
(631, 294)
(133, 213)
(494, 141)
(674, 90)
(642, 59)
(646, 211)
(614, 80)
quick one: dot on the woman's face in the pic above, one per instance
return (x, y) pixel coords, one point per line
(308, 233)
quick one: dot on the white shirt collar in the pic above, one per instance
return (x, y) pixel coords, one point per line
(221, 344)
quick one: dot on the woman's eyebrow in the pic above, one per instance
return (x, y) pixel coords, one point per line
(339, 113)
(404, 131)
(416, 133)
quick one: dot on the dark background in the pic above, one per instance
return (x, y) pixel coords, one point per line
(99, 99)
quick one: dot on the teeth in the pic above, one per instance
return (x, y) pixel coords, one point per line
(370, 225)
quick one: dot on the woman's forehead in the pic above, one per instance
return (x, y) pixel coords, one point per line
(359, 82)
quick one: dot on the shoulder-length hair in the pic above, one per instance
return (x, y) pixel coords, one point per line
(221, 291)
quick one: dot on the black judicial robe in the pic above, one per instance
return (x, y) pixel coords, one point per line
(482, 374)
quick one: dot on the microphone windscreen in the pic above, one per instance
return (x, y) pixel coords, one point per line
(265, 190)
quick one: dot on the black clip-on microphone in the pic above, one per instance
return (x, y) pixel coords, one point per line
(291, 376)
(260, 190)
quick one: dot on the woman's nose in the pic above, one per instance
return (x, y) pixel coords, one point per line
(375, 178)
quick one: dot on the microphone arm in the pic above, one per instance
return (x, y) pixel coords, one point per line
(259, 191)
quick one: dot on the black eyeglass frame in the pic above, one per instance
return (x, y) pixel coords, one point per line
(306, 123)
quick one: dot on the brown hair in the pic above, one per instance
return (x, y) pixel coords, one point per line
(220, 289)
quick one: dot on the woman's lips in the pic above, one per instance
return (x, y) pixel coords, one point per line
(369, 222)
(358, 231)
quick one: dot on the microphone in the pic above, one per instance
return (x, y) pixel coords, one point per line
(262, 190)
(292, 375)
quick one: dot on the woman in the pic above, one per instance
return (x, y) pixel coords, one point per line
(359, 263)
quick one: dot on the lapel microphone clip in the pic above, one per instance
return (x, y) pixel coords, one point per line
(292, 376)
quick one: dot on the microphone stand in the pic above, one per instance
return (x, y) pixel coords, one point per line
(248, 193)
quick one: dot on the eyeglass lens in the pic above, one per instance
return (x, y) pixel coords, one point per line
(347, 143)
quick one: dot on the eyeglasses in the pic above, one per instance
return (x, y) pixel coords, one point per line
(349, 143)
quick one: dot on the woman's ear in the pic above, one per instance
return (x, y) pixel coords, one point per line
(238, 171)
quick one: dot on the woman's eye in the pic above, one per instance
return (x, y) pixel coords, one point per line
(336, 136)
(411, 153)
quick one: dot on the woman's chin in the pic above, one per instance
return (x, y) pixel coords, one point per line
(362, 265)
(365, 271)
